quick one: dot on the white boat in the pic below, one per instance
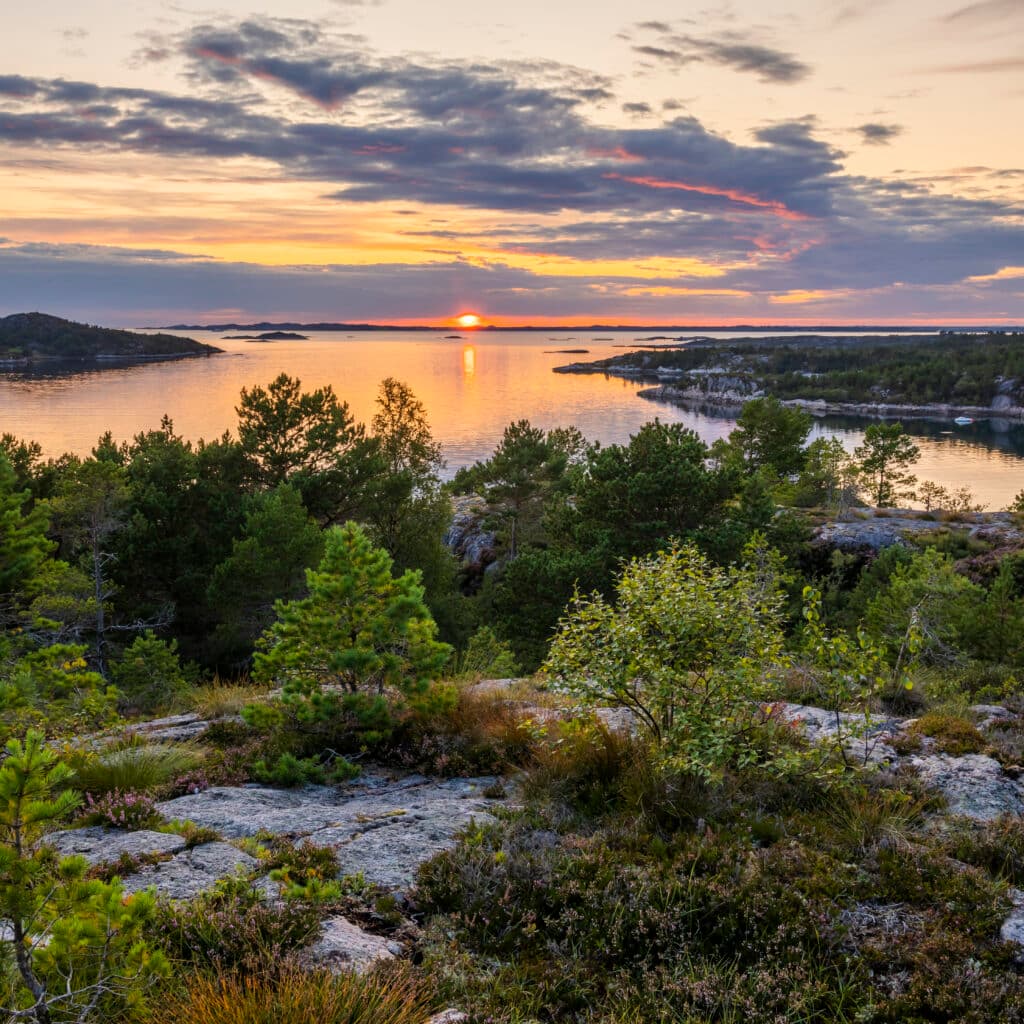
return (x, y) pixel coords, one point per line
(963, 421)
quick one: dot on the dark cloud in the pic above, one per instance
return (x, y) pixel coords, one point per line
(780, 213)
(730, 49)
(15, 86)
(876, 134)
(638, 109)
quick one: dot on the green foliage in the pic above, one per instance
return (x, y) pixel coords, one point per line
(149, 674)
(23, 542)
(690, 648)
(289, 770)
(268, 562)
(825, 479)
(630, 499)
(308, 439)
(360, 630)
(928, 595)
(882, 461)
(487, 657)
(52, 687)
(769, 436)
(79, 945)
(852, 671)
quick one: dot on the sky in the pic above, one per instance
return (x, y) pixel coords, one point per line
(544, 162)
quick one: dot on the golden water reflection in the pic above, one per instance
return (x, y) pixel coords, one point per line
(471, 392)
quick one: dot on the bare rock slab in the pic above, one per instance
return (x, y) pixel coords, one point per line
(381, 826)
(192, 872)
(100, 845)
(344, 946)
(974, 786)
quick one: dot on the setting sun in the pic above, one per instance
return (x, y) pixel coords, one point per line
(468, 320)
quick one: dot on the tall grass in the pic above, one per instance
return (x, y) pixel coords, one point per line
(296, 997)
(135, 766)
(222, 700)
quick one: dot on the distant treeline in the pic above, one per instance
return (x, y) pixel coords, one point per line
(40, 336)
(952, 369)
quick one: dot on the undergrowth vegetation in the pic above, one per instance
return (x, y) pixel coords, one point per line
(680, 844)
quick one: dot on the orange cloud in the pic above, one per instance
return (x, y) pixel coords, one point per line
(656, 291)
(1003, 274)
(746, 198)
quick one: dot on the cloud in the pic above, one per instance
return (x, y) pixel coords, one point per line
(993, 66)
(730, 49)
(875, 134)
(638, 109)
(776, 214)
(985, 11)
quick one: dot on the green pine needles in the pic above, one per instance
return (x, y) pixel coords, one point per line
(360, 635)
(78, 946)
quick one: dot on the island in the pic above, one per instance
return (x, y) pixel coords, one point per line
(30, 338)
(918, 376)
(267, 336)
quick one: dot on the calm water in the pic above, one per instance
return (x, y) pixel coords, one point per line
(471, 387)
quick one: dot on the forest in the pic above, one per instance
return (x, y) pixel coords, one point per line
(28, 337)
(945, 369)
(293, 583)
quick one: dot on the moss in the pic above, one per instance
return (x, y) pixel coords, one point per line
(952, 734)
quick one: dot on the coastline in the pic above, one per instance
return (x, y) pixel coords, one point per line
(820, 407)
(663, 390)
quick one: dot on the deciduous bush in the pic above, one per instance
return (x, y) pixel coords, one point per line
(691, 648)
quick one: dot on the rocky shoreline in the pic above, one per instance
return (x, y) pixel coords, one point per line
(727, 401)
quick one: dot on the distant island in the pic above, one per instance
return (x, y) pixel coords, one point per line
(267, 336)
(29, 338)
(672, 329)
(896, 376)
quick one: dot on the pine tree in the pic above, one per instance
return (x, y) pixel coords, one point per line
(23, 543)
(360, 630)
(77, 943)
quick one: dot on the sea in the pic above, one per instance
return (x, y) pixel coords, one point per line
(472, 384)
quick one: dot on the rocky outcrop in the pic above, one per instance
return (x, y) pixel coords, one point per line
(381, 826)
(99, 845)
(872, 531)
(191, 872)
(974, 786)
(344, 946)
(475, 546)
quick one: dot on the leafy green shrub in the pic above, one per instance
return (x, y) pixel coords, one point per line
(296, 997)
(952, 734)
(690, 648)
(149, 674)
(133, 766)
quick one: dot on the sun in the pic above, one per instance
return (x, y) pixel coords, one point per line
(468, 320)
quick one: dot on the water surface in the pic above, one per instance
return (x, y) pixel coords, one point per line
(472, 387)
